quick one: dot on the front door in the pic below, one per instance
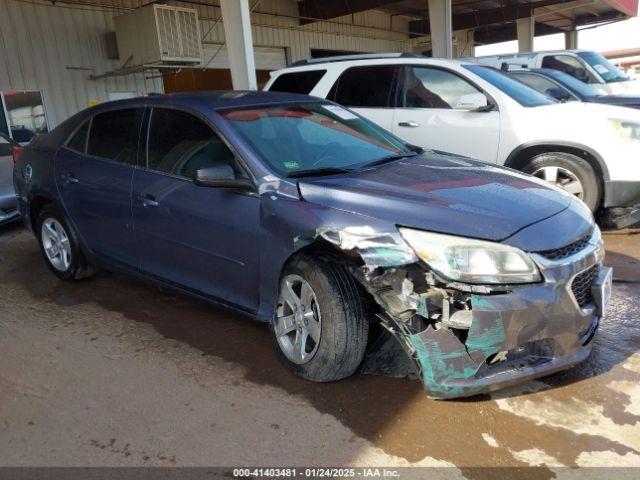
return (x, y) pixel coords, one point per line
(93, 173)
(203, 239)
(428, 116)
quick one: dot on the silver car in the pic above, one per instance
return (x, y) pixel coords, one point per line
(8, 205)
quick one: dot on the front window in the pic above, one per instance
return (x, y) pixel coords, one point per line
(576, 85)
(426, 87)
(306, 137)
(607, 70)
(521, 93)
(181, 144)
(570, 65)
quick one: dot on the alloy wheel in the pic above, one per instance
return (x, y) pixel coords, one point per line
(298, 324)
(563, 178)
(56, 245)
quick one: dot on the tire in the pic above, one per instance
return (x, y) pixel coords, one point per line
(343, 327)
(569, 168)
(71, 264)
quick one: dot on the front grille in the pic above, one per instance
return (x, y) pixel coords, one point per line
(581, 286)
(567, 250)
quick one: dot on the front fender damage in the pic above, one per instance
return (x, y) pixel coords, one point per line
(456, 335)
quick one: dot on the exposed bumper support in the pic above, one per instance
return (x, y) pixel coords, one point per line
(465, 339)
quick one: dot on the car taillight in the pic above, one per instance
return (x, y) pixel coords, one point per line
(17, 151)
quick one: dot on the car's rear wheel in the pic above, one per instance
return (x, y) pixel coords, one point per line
(320, 330)
(569, 172)
(59, 245)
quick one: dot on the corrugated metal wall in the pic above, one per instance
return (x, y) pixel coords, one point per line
(274, 24)
(54, 48)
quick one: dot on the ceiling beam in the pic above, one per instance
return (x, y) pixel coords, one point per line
(480, 18)
(311, 10)
(507, 32)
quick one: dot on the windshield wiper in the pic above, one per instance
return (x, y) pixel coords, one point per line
(388, 158)
(318, 171)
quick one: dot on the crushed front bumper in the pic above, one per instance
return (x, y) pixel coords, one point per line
(520, 333)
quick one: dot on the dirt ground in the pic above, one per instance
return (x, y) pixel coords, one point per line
(113, 372)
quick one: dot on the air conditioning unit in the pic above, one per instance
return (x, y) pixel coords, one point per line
(159, 35)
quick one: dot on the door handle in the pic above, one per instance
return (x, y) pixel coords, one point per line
(68, 178)
(149, 201)
(411, 124)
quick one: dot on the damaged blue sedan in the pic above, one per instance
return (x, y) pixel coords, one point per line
(304, 215)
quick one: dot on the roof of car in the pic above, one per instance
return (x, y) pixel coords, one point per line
(362, 60)
(213, 99)
(532, 54)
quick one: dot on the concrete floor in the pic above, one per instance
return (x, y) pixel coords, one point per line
(114, 372)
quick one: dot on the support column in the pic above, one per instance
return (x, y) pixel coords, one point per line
(465, 43)
(441, 33)
(236, 18)
(571, 40)
(526, 30)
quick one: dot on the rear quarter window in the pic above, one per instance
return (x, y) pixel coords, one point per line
(297, 82)
(78, 141)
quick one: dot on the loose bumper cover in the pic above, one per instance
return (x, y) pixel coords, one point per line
(517, 333)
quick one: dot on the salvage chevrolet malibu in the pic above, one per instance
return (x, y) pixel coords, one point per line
(304, 215)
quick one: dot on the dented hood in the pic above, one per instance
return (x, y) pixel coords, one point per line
(442, 193)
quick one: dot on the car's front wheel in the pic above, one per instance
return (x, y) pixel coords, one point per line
(320, 330)
(569, 172)
(59, 245)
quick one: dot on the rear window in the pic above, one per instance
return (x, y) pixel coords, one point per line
(297, 82)
(372, 87)
(114, 135)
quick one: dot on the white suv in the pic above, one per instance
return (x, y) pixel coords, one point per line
(591, 150)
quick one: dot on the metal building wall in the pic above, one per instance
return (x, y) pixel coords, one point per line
(54, 48)
(274, 24)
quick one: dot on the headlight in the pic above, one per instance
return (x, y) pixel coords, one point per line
(627, 130)
(471, 261)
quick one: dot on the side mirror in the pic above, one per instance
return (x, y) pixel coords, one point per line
(558, 93)
(220, 175)
(472, 102)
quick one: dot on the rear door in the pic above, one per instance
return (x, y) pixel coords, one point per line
(428, 117)
(370, 91)
(93, 173)
(203, 239)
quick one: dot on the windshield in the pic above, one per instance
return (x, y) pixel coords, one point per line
(572, 83)
(607, 70)
(521, 93)
(295, 138)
